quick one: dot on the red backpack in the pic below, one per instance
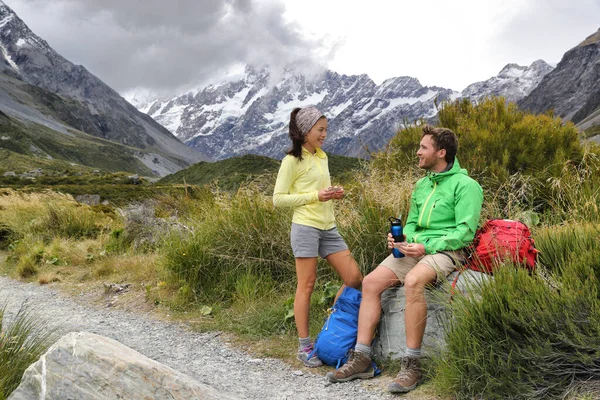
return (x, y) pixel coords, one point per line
(502, 239)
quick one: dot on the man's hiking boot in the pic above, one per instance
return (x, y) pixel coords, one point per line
(304, 353)
(409, 376)
(358, 366)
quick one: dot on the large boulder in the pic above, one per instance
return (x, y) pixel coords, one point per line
(83, 365)
(391, 338)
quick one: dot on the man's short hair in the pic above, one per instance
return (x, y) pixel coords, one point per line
(443, 138)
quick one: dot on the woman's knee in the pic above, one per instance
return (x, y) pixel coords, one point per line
(354, 280)
(306, 287)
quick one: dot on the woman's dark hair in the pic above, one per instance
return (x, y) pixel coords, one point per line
(296, 136)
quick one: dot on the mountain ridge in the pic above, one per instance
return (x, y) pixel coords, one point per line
(250, 115)
(103, 112)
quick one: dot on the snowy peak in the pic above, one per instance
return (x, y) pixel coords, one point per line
(512, 71)
(251, 114)
(514, 82)
(15, 35)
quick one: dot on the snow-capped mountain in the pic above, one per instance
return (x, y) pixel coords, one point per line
(514, 82)
(93, 107)
(250, 115)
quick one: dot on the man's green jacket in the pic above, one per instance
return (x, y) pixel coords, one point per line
(444, 211)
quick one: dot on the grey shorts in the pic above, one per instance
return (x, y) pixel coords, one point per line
(442, 263)
(312, 242)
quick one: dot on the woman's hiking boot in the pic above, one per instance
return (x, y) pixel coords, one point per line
(409, 376)
(304, 354)
(359, 365)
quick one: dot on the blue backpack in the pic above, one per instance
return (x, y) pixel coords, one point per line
(341, 327)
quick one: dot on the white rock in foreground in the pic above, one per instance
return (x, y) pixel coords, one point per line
(83, 365)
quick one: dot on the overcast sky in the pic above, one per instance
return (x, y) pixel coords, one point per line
(170, 46)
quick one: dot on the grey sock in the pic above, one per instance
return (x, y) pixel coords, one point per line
(363, 348)
(415, 353)
(304, 342)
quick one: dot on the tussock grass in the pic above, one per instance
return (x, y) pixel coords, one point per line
(525, 338)
(47, 215)
(239, 235)
(362, 216)
(23, 340)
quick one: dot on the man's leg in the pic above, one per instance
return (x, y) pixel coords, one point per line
(425, 272)
(415, 315)
(374, 284)
(359, 363)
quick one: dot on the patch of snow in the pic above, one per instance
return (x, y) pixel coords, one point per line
(172, 118)
(7, 56)
(334, 111)
(5, 138)
(412, 100)
(6, 20)
(283, 110)
(455, 95)
(21, 42)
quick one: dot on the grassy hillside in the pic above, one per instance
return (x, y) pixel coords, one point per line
(230, 173)
(40, 144)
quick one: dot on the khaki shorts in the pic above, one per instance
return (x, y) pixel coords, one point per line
(442, 263)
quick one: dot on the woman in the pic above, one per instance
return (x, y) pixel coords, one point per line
(304, 183)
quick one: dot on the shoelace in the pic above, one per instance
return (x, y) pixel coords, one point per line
(307, 349)
(405, 368)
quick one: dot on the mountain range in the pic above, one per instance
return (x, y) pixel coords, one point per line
(250, 113)
(51, 108)
(41, 90)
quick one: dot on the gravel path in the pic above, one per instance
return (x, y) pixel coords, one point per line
(203, 356)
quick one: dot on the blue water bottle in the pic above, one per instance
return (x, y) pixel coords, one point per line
(396, 231)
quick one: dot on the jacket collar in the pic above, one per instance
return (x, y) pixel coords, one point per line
(318, 152)
(437, 176)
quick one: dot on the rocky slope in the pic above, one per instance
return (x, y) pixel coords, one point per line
(572, 89)
(95, 109)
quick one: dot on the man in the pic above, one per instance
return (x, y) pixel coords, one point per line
(443, 216)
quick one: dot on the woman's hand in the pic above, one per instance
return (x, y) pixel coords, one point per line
(332, 192)
(326, 194)
(338, 192)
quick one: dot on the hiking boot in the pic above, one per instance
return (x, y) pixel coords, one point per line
(409, 376)
(358, 366)
(304, 353)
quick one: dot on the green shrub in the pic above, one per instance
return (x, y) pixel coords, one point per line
(21, 344)
(528, 337)
(241, 233)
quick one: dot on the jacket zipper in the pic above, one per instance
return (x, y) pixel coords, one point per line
(425, 205)
(430, 211)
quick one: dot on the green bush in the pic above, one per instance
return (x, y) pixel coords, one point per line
(528, 337)
(241, 234)
(524, 162)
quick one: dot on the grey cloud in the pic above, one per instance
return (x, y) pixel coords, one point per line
(547, 29)
(166, 46)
